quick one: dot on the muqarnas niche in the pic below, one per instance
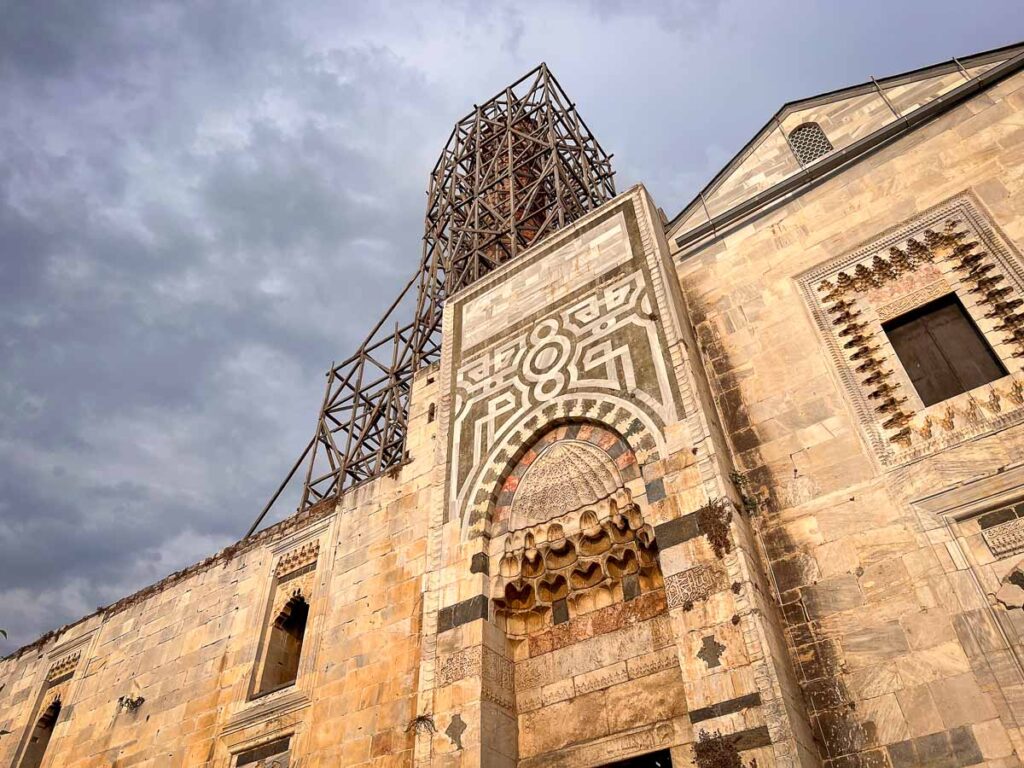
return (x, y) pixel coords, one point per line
(576, 541)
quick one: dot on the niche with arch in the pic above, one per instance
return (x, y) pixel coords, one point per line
(39, 739)
(52, 700)
(568, 537)
(284, 646)
(285, 628)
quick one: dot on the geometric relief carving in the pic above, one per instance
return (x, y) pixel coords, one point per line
(283, 634)
(636, 742)
(297, 558)
(294, 577)
(605, 343)
(952, 248)
(459, 665)
(1005, 539)
(912, 299)
(568, 475)
(577, 542)
(63, 668)
(498, 680)
(565, 469)
(583, 561)
(52, 702)
(494, 670)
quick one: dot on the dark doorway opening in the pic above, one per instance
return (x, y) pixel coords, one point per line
(660, 759)
(40, 738)
(284, 649)
(942, 350)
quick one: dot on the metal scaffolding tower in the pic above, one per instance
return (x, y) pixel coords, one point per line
(514, 170)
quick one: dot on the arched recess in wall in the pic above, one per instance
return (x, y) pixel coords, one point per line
(284, 645)
(617, 415)
(566, 534)
(39, 739)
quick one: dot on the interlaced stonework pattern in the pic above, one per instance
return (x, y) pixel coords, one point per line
(670, 495)
(593, 352)
(517, 168)
(951, 249)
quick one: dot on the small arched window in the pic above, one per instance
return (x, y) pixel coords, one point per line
(284, 647)
(809, 142)
(40, 738)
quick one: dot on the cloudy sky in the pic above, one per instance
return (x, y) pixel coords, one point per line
(202, 204)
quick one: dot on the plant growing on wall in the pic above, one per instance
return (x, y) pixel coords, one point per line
(716, 751)
(713, 519)
(748, 498)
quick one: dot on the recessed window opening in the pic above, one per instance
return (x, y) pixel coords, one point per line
(809, 142)
(942, 350)
(266, 753)
(660, 759)
(284, 647)
(40, 738)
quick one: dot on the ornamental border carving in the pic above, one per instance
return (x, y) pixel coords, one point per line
(63, 667)
(298, 558)
(631, 295)
(496, 673)
(60, 681)
(1005, 539)
(958, 245)
(694, 585)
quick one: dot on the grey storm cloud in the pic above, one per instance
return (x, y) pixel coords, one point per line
(202, 204)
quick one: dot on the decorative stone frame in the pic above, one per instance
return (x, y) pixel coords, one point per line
(951, 248)
(60, 680)
(992, 634)
(309, 551)
(598, 435)
(644, 275)
(511, 456)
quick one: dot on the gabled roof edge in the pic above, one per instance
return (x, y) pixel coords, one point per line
(839, 159)
(823, 98)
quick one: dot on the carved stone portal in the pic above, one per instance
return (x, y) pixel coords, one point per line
(578, 542)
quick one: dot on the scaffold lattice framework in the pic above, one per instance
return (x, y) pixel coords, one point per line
(514, 170)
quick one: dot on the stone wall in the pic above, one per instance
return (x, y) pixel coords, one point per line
(578, 611)
(187, 651)
(654, 501)
(900, 605)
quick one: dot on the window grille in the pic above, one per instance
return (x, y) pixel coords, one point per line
(809, 142)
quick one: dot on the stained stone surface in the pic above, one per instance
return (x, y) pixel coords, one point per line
(533, 588)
